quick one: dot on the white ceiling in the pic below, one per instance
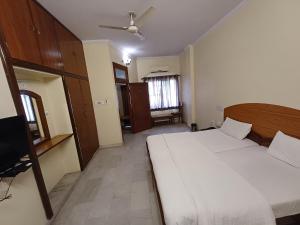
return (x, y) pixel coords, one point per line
(170, 27)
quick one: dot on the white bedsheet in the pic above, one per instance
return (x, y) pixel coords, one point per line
(277, 181)
(217, 141)
(197, 188)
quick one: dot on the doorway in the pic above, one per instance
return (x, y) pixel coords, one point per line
(123, 103)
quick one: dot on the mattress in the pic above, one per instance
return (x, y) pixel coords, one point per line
(217, 141)
(189, 177)
(277, 181)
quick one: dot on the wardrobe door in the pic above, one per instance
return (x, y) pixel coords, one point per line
(80, 124)
(140, 115)
(44, 23)
(90, 117)
(72, 51)
(19, 30)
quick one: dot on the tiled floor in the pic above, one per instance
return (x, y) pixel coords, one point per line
(116, 187)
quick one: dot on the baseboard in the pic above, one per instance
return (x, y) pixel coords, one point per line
(111, 146)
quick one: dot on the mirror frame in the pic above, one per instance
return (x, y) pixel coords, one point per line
(42, 115)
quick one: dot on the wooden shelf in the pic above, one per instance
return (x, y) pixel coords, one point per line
(41, 149)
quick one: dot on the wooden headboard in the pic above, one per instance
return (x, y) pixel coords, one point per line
(266, 119)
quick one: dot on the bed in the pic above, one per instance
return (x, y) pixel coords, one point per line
(245, 163)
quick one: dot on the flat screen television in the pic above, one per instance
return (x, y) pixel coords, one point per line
(13, 141)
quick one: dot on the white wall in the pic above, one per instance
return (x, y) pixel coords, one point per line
(54, 102)
(146, 64)
(188, 84)
(117, 56)
(99, 65)
(250, 56)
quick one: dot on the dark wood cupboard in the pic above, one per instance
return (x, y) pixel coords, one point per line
(45, 32)
(19, 30)
(84, 118)
(33, 35)
(37, 40)
(71, 50)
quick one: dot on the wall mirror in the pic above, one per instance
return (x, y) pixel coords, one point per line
(35, 115)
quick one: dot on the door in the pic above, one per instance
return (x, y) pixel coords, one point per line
(90, 116)
(19, 30)
(84, 118)
(75, 97)
(44, 23)
(139, 107)
(71, 50)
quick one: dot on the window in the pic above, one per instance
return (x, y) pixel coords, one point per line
(163, 92)
(35, 115)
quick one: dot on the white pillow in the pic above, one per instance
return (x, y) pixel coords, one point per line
(235, 128)
(286, 148)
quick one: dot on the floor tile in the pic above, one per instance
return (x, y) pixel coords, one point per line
(116, 187)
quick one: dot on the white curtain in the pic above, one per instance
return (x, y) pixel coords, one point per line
(163, 92)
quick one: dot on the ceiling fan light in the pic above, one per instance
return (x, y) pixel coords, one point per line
(133, 29)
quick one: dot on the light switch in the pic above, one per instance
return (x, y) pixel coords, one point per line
(101, 102)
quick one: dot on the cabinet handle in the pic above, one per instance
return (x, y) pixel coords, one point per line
(33, 28)
(38, 32)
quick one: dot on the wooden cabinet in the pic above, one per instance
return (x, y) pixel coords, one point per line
(37, 40)
(34, 35)
(84, 118)
(71, 50)
(19, 30)
(90, 116)
(45, 31)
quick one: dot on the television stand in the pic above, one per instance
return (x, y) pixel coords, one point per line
(19, 167)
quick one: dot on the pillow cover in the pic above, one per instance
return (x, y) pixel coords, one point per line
(235, 128)
(285, 148)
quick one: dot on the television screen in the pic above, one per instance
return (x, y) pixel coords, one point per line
(13, 141)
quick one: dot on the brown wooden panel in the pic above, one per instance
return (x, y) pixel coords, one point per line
(19, 30)
(80, 58)
(74, 92)
(267, 119)
(90, 117)
(139, 107)
(71, 50)
(44, 23)
(84, 118)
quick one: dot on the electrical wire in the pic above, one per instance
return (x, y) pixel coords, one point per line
(7, 196)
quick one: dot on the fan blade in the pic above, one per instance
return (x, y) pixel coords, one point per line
(113, 27)
(140, 35)
(141, 19)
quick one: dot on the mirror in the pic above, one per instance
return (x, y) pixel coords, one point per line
(35, 115)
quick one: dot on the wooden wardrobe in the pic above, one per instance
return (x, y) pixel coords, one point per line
(36, 40)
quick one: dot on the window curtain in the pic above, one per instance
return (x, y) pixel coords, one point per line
(163, 92)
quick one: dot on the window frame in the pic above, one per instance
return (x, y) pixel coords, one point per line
(42, 115)
(118, 80)
(176, 77)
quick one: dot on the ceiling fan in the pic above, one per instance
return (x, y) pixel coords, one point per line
(134, 24)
